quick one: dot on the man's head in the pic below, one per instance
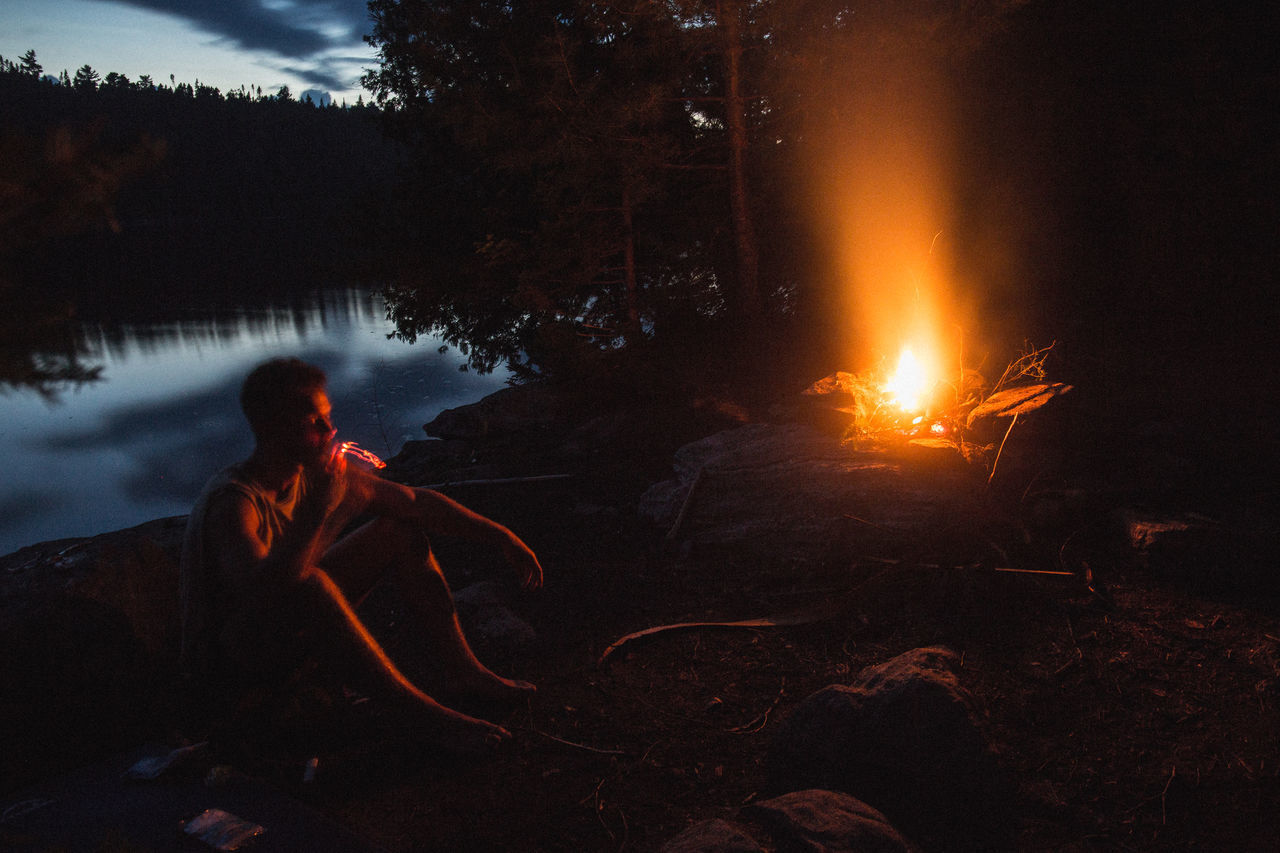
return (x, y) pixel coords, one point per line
(285, 403)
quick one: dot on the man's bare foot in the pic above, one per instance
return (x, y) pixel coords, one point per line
(463, 734)
(488, 686)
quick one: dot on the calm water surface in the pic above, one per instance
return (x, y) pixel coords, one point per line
(139, 443)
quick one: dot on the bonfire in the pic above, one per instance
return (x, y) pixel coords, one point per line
(906, 406)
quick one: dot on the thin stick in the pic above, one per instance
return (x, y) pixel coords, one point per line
(577, 745)
(781, 622)
(891, 562)
(763, 717)
(501, 481)
(1034, 572)
(1164, 817)
(868, 523)
(684, 507)
(1001, 450)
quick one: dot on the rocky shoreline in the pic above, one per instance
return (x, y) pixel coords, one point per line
(702, 516)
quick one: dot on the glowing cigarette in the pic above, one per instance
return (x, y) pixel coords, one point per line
(352, 449)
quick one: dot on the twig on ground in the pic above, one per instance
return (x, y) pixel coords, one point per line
(582, 746)
(1004, 569)
(868, 523)
(806, 618)
(1001, 450)
(763, 717)
(1164, 818)
(684, 507)
(1066, 666)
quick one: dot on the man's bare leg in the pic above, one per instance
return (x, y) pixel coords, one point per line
(399, 551)
(348, 646)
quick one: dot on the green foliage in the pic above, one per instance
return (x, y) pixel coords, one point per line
(597, 197)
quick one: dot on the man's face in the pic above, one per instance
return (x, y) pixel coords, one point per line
(304, 429)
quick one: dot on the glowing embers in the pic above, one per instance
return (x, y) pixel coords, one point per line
(350, 448)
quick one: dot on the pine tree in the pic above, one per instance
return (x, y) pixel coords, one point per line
(86, 79)
(30, 66)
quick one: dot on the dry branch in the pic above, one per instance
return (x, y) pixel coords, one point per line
(501, 481)
(684, 507)
(778, 622)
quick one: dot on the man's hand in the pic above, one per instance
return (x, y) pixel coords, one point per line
(522, 559)
(329, 482)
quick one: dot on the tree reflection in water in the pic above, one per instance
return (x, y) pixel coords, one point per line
(163, 416)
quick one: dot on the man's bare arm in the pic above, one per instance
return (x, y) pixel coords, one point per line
(439, 513)
(251, 564)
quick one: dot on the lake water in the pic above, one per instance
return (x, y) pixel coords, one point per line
(139, 443)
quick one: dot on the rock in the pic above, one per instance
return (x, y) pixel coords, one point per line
(489, 623)
(713, 836)
(427, 461)
(1173, 544)
(830, 822)
(133, 571)
(520, 408)
(904, 738)
(793, 489)
(88, 629)
(1204, 553)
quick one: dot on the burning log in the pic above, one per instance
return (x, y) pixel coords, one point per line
(901, 409)
(1012, 402)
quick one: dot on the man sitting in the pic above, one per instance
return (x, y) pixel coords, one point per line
(268, 581)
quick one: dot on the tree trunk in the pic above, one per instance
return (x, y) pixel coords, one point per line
(739, 199)
(631, 330)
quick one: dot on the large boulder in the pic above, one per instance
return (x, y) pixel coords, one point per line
(518, 409)
(904, 738)
(88, 631)
(830, 822)
(794, 489)
(132, 572)
(713, 836)
(490, 624)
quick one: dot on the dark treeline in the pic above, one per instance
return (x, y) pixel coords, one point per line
(207, 195)
(128, 200)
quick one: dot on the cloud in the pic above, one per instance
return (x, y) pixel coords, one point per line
(317, 37)
(292, 28)
(321, 76)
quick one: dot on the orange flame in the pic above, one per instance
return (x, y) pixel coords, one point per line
(908, 384)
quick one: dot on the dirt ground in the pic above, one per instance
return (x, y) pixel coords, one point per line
(1130, 713)
(1130, 710)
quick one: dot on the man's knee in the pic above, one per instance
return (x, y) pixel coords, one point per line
(403, 550)
(434, 590)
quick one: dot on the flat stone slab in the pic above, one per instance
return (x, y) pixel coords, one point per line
(794, 489)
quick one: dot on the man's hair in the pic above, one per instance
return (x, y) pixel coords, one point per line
(276, 387)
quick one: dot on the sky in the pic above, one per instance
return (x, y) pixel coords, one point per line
(311, 46)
